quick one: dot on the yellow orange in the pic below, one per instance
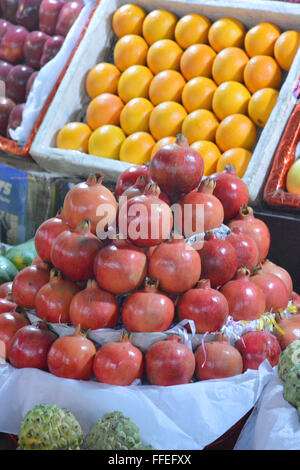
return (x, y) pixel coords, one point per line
(261, 105)
(128, 19)
(135, 115)
(200, 125)
(286, 48)
(162, 143)
(134, 82)
(106, 141)
(136, 148)
(192, 29)
(197, 60)
(260, 39)
(102, 78)
(230, 98)
(236, 130)
(262, 71)
(164, 54)
(239, 157)
(130, 49)
(166, 86)
(104, 109)
(229, 64)
(74, 136)
(166, 119)
(210, 154)
(226, 32)
(159, 24)
(198, 94)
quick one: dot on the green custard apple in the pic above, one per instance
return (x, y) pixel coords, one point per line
(47, 427)
(288, 358)
(291, 390)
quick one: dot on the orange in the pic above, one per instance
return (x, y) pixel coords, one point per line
(128, 19)
(260, 39)
(198, 94)
(164, 54)
(200, 125)
(238, 157)
(192, 29)
(159, 24)
(166, 86)
(136, 148)
(104, 109)
(229, 64)
(286, 48)
(226, 32)
(74, 136)
(197, 60)
(134, 82)
(236, 130)
(106, 141)
(166, 119)
(210, 154)
(261, 105)
(135, 115)
(103, 78)
(230, 98)
(262, 71)
(162, 143)
(130, 50)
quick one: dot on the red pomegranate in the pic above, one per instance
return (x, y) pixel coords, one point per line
(289, 330)
(5, 289)
(245, 247)
(27, 284)
(7, 304)
(269, 267)
(129, 177)
(274, 289)
(46, 234)
(10, 323)
(256, 346)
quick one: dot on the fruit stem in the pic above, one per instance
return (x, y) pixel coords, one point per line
(95, 179)
(207, 186)
(181, 140)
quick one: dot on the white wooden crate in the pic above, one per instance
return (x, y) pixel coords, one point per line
(71, 100)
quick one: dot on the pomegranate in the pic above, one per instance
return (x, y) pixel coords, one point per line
(30, 346)
(72, 356)
(86, 201)
(291, 328)
(177, 168)
(169, 362)
(219, 260)
(148, 310)
(94, 308)
(253, 227)
(274, 289)
(120, 267)
(46, 234)
(245, 299)
(135, 190)
(269, 267)
(5, 289)
(7, 304)
(73, 252)
(119, 362)
(27, 284)
(52, 302)
(146, 220)
(245, 247)
(207, 307)
(10, 323)
(217, 360)
(129, 177)
(230, 190)
(192, 204)
(256, 346)
(176, 265)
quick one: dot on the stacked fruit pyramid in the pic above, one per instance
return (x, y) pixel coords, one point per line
(215, 82)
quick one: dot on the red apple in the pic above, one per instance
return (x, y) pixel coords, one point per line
(67, 16)
(15, 118)
(16, 82)
(6, 105)
(51, 48)
(9, 9)
(30, 346)
(256, 346)
(28, 14)
(30, 83)
(12, 44)
(33, 48)
(4, 26)
(48, 16)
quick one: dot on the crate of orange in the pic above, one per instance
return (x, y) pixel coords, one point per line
(216, 71)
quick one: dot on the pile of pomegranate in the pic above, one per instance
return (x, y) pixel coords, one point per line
(144, 282)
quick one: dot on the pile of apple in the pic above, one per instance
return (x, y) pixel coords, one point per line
(138, 283)
(31, 34)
